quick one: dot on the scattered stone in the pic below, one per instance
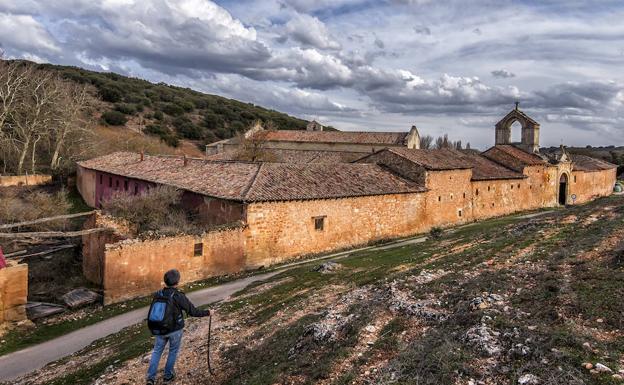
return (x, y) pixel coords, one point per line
(528, 379)
(588, 365)
(402, 302)
(328, 267)
(602, 368)
(600, 320)
(485, 301)
(618, 377)
(80, 297)
(484, 339)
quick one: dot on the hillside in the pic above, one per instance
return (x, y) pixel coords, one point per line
(169, 112)
(471, 306)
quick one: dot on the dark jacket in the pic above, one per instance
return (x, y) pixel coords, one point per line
(182, 303)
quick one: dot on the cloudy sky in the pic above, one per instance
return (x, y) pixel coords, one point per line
(451, 67)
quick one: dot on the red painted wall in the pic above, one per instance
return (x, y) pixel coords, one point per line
(207, 210)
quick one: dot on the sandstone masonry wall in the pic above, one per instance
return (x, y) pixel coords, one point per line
(13, 292)
(135, 268)
(591, 185)
(282, 230)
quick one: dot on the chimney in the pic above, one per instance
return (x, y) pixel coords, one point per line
(142, 155)
(185, 160)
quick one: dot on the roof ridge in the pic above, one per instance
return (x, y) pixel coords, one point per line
(253, 180)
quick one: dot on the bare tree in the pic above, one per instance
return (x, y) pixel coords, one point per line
(39, 112)
(252, 145)
(426, 141)
(70, 119)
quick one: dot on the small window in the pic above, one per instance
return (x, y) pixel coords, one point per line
(477, 192)
(136, 189)
(319, 223)
(101, 179)
(198, 249)
(492, 204)
(459, 213)
(110, 181)
(439, 198)
(574, 178)
(512, 187)
(518, 185)
(125, 185)
(451, 196)
(464, 195)
(488, 188)
(117, 185)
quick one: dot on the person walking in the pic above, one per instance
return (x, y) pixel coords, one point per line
(166, 322)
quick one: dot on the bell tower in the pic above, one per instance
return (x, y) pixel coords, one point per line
(530, 130)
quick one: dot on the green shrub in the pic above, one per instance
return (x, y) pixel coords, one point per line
(114, 118)
(164, 133)
(435, 233)
(172, 109)
(110, 94)
(125, 108)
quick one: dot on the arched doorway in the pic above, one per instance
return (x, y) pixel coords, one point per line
(563, 189)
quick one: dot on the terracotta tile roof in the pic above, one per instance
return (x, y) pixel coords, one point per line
(297, 156)
(450, 159)
(373, 138)
(587, 163)
(251, 182)
(513, 157)
(281, 181)
(443, 159)
(485, 169)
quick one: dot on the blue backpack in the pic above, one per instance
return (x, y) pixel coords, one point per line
(162, 315)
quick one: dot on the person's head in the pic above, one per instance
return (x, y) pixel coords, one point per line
(172, 278)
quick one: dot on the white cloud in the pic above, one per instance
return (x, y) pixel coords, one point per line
(309, 31)
(24, 33)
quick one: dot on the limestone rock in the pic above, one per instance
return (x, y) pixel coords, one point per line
(528, 379)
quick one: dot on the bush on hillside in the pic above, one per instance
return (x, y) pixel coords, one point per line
(114, 118)
(163, 133)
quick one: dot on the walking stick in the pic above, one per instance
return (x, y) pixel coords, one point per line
(208, 349)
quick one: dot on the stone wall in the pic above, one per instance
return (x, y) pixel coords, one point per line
(86, 185)
(24, 180)
(93, 245)
(591, 185)
(13, 292)
(134, 268)
(282, 230)
(448, 200)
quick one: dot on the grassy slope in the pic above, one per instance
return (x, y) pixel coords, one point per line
(558, 274)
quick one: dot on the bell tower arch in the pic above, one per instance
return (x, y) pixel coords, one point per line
(529, 141)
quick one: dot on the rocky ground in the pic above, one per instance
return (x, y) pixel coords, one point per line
(507, 301)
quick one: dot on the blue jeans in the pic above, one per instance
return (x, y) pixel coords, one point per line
(175, 340)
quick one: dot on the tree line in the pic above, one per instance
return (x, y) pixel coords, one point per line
(427, 142)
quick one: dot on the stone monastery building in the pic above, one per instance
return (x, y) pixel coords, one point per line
(319, 196)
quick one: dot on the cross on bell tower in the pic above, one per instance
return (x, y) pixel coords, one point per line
(530, 130)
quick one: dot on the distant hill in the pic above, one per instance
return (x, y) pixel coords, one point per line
(169, 112)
